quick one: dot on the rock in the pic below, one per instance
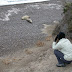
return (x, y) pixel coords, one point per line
(25, 17)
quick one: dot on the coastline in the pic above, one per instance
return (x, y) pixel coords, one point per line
(25, 3)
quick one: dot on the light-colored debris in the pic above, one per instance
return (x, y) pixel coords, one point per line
(48, 29)
(25, 17)
(56, 22)
(29, 20)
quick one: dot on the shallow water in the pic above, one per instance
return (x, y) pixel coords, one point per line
(11, 2)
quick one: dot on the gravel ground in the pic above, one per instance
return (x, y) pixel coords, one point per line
(17, 34)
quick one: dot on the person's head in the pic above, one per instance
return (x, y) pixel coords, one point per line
(61, 35)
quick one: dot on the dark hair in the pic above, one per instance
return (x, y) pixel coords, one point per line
(61, 35)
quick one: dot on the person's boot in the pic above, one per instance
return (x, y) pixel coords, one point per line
(60, 65)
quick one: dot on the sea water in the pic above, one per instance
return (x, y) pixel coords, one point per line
(11, 2)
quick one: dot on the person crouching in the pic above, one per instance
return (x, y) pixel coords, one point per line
(62, 50)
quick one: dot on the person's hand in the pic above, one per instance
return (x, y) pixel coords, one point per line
(57, 40)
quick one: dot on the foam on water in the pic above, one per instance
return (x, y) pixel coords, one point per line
(11, 2)
(5, 16)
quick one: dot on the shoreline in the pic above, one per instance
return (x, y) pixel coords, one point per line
(25, 3)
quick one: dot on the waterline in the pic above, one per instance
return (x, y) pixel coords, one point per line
(11, 2)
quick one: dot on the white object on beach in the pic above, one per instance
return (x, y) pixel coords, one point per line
(25, 17)
(29, 20)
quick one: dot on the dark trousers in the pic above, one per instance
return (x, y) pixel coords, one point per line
(60, 57)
